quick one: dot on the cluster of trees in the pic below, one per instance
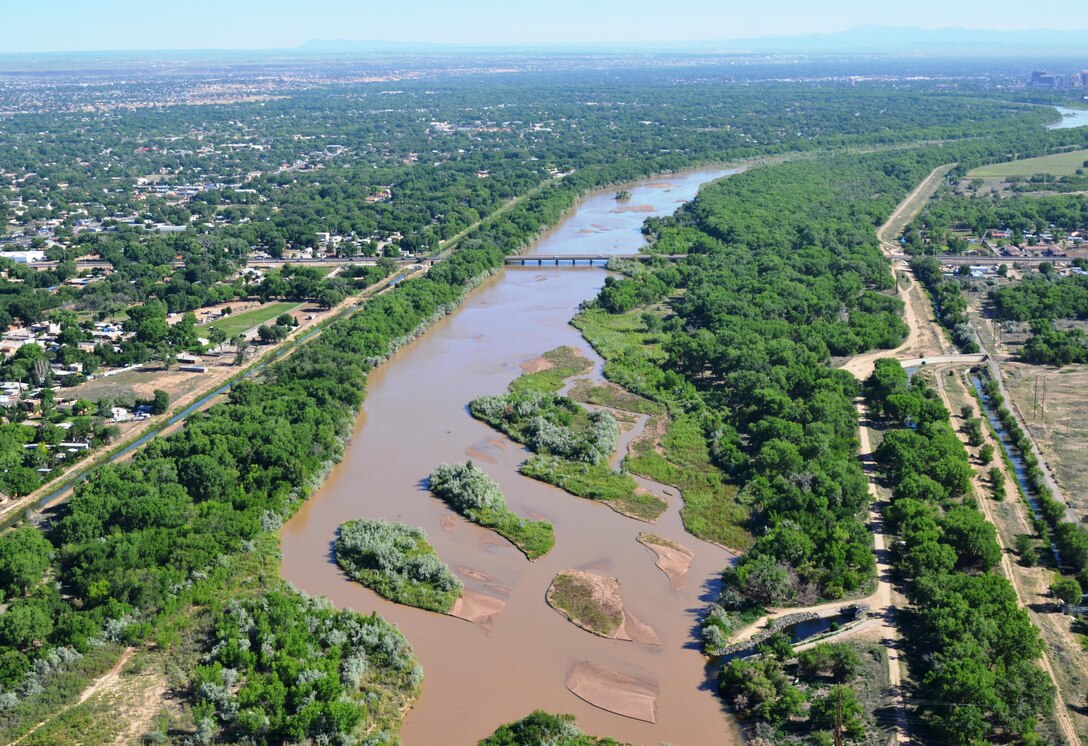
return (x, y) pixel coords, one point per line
(284, 667)
(30, 455)
(788, 695)
(471, 492)
(1043, 296)
(550, 424)
(968, 639)
(397, 562)
(1021, 214)
(1050, 346)
(948, 301)
(540, 728)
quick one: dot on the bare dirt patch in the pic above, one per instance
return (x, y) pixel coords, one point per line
(614, 692)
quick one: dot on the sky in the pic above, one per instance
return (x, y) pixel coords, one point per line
(100, 25)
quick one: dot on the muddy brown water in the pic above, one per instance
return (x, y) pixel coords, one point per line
(415, 417)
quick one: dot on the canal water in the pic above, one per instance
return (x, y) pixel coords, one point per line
(415, 417)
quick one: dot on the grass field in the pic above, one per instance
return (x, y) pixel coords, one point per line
(611, 334)
(235, 324)
(1062, 164)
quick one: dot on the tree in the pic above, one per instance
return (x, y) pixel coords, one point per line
(24, 558)
(24, 623)
(241, 347)
(765, 581)
(216, 337)
(272, 334)
(1066, 590)
(49, 406)
(160, 402)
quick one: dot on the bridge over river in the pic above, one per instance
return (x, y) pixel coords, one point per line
(584, 260)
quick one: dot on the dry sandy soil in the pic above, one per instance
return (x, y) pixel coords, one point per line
(613, 691)
(477, 608)
(673, 559)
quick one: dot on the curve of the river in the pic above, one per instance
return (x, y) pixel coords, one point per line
(415, 417)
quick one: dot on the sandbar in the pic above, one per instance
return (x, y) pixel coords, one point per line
(673, 559)
(613, 691)
(477, 608)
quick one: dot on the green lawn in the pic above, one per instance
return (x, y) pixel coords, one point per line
(1062, 164)
(235, 324)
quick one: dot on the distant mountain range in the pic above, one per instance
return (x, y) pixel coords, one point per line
(888, 39)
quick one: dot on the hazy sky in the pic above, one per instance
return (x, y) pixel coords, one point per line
(63, 25)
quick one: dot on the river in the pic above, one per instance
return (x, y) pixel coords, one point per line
(1070, 118)
(415, 417)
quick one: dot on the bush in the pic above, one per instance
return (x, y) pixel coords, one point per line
(1025, 547)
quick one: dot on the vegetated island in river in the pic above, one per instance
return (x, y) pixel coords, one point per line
(397, 562)
(471, 492)
(572, 443)
(543, 727)
(593, 603)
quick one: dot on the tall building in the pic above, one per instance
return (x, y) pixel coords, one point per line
(1041, 79)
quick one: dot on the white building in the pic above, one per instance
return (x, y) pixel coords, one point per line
(24, 257)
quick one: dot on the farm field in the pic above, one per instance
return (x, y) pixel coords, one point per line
(1060, 164)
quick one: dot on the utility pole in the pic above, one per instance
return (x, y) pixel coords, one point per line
(838, 717)
(1035, 402)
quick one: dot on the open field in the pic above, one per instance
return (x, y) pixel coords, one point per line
(1061, 164)
(236, 324)
(1058, 421)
